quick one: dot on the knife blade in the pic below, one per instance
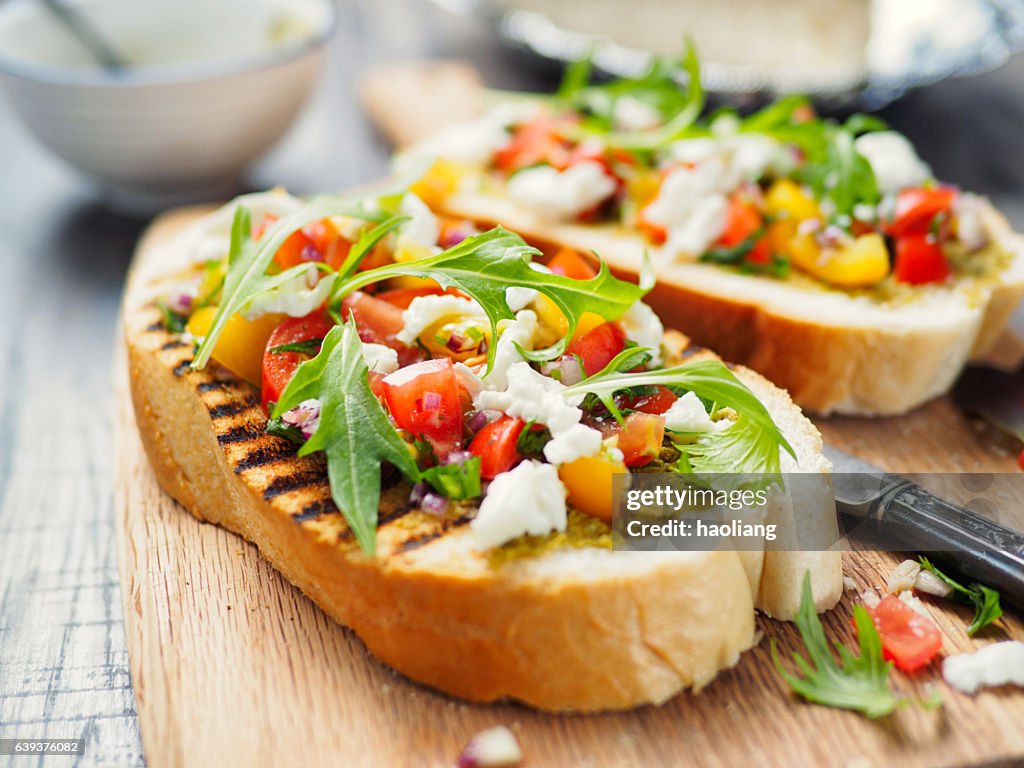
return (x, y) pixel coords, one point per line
(896, 513)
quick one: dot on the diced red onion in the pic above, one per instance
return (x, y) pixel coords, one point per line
(310, 253)
(418, 492)
(181, 303)
(431, 401)
(808, 227)
(305, 416)
(566, 370)
(832, 236)
(454, 235)
(480, 419)
(434, 503)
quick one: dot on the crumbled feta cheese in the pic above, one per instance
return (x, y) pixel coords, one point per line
(467, 377)
(380, 359)
(931, 584)
(296, 297)
(687, 414)
(424, 311)
(531, 396)
(893, 160)
(849, 583)
(506, 354)
(633, 114)
(870, 598)
(305, 416)
(422, 229)
(527, 499)
(211, 235)
(690, 208)
(561, 195)
(518, 297)
(752, 154)
(994, 665)
(644, 327)
(574, 443)
(903, 576)
(494, 748)
(695, 150)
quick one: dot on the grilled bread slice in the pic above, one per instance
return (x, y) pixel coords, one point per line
(560, 623)
(834, 352)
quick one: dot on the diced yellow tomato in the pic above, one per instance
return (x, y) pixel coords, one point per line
(473, 332)
(642, 187)
(588, 321)
(439, 182)
(785, 198)
(861, 264)
(406, 251)
(552, 324)
(242, 342)
(588, 481)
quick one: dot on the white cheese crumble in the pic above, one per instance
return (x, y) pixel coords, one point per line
(644, 327)
(494, 748)
(687, 414)
(421, 230)
(424, 311)
(467, 377)
(633, 114)
(519, 297)
(531, 396)
(527, 499)
(296, 297)
(893, 160)
(506, 354)
(969, 209)
(994, 665)
(690, 208)
(561, 195)
(379, 358)
(211, 235)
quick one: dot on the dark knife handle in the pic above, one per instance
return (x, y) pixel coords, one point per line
(906, 515)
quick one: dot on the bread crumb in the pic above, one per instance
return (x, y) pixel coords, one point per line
(849, 584)
(493, 748)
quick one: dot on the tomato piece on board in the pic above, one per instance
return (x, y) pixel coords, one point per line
(909, 639)
(596, 348)
(640, 438)
(279, 367)
(657, 402)
(571, 263)
(917, 208)
(423, 399)
(742, 220)
(919, 260)
(497, 446)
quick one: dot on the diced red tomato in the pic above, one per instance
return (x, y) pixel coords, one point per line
(278, 368)
(656, 233)
(917, 208)
(317, 241)
(596, 348)
(539, 141)
(741, 221)
(495, 444)
(423, 398)
(658, 402)
(919, 260)
(402, 297)
(909, 639)
(379, 323)
(1020, 459)
(571, 263)
(640, 438)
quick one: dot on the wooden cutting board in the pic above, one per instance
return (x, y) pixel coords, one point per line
(232, 665)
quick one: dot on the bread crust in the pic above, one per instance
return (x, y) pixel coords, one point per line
(831, 353)
(575, 629)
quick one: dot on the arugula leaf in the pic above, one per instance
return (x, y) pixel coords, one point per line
(860, 683)
(366, 242)
(456, 481)
(355, 433)
(657, 87)
(840, 174)
(985, 599)
(484, 266)
(531, 441)
(751, 445)
(278, 428)
(306, 347)
(736, 256)
(248, 260)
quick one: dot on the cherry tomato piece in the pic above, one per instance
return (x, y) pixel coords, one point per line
(596, 348)
(920, 260)
(917, 208)
(909, 639)
(423, 399)
(279, 367)
(571, 263)
(496, 445)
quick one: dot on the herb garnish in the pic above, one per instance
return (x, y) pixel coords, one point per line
(985, 600)
(860, 683)
(307, 347)
(460, 480)
(750, 445)
(355, 433)
(174, 322)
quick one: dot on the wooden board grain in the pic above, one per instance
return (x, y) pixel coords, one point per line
(233, 665)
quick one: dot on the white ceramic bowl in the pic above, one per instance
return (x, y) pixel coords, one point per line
(215, 84)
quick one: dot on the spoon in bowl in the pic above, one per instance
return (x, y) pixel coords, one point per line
(79, 25)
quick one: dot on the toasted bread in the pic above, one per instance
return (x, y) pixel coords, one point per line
(564, 625)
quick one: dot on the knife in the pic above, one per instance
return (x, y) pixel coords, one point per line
(897, 514)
